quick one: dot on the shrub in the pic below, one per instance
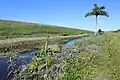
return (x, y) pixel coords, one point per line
(65, 34)
(100, 32)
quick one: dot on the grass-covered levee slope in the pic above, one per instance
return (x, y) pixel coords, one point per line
(98, 58)
(101, 60)
(13, 29)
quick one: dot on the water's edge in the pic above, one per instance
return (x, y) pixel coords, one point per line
(20, 47)
(28, 56)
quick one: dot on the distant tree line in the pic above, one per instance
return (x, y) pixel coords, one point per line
(116, 31)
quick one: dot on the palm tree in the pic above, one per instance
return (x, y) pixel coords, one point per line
(97, 11)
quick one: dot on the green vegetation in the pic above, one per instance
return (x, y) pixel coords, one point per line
(97, 11)
(41, 62)
(98, 61)
(94, 58)
(15, 29)
(96, 66)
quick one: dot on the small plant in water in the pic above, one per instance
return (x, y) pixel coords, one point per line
(37, 69)
(11, 66)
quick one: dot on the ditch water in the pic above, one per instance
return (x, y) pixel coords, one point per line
(28, 56)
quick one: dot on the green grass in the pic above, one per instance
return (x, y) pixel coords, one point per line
(92, 66)
(104, 65)
(13, 29)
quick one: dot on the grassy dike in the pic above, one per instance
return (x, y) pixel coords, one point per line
(17, 36)
(11, 47)
(17, 29)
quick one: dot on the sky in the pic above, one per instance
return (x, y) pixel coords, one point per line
(68, 13)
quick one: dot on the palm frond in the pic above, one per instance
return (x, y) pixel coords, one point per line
(104, 13)
(95, 5)
(97, 11)
(89, 14)
(102, 7)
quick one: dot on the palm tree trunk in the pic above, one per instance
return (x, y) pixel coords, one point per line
(96, 26)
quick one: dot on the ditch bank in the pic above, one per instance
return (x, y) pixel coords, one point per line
(7, 47)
